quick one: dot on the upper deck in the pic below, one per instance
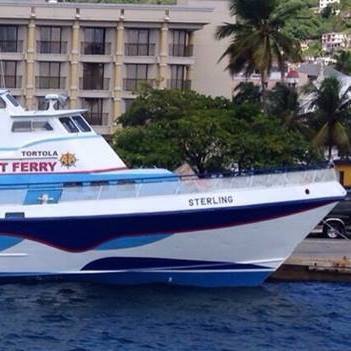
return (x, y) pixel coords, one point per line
(52, 141)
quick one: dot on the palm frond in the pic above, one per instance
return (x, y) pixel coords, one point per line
(252, 11)
(340, 137)
(321, 138)
(229, 29)
(289, 46)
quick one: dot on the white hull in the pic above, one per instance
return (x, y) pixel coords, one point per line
(232, 256)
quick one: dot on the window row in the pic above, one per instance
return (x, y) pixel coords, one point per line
(138, 42)
(51, 75)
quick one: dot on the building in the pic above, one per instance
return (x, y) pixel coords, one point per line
(99, 55)
(324, 3)
(334, 41)
(343, 166)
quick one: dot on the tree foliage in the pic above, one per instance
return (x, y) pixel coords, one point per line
(247, 92)
(156, 105)
(168, 128)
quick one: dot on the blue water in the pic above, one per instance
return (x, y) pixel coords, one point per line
(68, 316)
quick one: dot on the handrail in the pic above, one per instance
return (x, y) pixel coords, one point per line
(115, 179)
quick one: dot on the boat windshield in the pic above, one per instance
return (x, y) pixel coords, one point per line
(13, 101)
(81, 123)
(69, 125)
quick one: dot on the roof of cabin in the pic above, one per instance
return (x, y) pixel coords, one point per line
(46, 113)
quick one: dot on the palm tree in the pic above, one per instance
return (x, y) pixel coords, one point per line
(283, 103)
(257, 38)
(330, 104)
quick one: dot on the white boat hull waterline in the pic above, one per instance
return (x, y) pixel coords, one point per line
(110, 224)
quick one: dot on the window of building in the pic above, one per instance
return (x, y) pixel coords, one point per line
(8, 74)
(94, 41)
(139, 43)
(93, 76)
(81, 124)
(69, 125)
(50, 40)
(50, 76)
(95, 115)
(137, 74)
(178, 77)
(180, 43)
(8, 38)
(31, 126)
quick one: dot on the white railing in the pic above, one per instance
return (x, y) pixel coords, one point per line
(191, 185)
(159, 187)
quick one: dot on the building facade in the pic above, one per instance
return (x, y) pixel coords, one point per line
(99, 55)
(324, 3)
(334, 41)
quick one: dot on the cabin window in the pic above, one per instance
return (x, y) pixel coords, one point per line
(69, 125)
(22, 126)
(41, 126)
(13, 101)
(31, 126)
(82, 125)
(2, 104)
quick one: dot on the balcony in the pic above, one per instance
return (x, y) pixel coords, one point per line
(50, 82)
(96, 118)
(181, 50)
(94, 84)
(136, 84)
(92, 48)
(51, 47)
(140, 49)
(179, 84)
(11, 46)
(12, 82)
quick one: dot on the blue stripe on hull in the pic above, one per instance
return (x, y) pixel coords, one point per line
(79, 234)
(195, 279)
(135, 241)
(203, 279)
(132, 263)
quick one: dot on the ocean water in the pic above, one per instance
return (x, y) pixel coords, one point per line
(276, 316)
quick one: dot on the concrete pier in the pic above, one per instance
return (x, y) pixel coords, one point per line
(318, 260)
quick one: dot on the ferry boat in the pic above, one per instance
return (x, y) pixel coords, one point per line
(71, 209)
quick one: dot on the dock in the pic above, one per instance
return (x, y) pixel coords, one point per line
(318, 260)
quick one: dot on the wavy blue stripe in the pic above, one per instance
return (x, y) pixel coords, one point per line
(78, 234)
(125, 263)
(8, 241)
(128, 242)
